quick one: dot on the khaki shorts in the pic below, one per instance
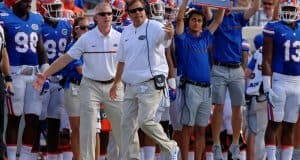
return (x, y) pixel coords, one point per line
(72, 103)
(223, 78)
(197, 108)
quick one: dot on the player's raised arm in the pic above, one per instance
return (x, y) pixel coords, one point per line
(251, 11)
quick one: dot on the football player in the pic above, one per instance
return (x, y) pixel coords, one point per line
(27, 57)
(281, 68)
(56, 33)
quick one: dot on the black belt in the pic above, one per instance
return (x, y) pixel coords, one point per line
(104, 82)
(75, 81)
(200, 84)
(229, 65)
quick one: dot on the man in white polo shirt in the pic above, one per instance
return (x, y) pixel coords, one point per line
(142, 65)
(98, 48)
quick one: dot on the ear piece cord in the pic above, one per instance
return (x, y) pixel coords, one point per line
(148, 49)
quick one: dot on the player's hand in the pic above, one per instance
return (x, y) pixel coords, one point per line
(168, 28)
(113, 91)
(45, 88)
(172, 89)
(9, 89)
(39, 82)
(270, 95)
(248, 73)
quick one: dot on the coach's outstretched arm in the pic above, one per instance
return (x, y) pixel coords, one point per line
(57, 65)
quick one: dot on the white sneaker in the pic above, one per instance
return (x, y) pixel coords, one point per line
(174, 154)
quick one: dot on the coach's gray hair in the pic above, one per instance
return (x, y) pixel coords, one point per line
(101, 5)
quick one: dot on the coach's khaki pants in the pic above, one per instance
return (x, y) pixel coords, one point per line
(140, 105)
(92, 94)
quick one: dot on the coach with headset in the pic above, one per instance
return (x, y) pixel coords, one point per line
(142, 67)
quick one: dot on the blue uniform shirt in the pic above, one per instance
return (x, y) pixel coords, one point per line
(21, 37)
(193, 55)
(286, 43)
(228, 39)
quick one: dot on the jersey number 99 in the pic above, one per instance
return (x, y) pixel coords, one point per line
(50, 47)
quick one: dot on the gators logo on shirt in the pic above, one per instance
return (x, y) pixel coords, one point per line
(35, 27)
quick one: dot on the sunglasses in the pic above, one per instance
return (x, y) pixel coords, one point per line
(267, 3)
(104, 14)
(83, 27)
(140, 9)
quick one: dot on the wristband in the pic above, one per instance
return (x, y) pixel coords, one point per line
(266, 83)
(43, 67)
(172, 83)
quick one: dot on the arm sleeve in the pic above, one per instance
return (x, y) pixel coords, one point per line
(77, 50)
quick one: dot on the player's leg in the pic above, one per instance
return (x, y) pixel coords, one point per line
(32, 110)
(262, 121)
(104, 136)
(291, 115)
(15, 106)
(296, 153)
(65, 136)
(2, 99)
(275, 117)
(54, 112)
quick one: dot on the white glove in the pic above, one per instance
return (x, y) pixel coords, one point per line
(172, 83)
(268, 90)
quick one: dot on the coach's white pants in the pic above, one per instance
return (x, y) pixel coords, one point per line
(92, 94)
(140, 105)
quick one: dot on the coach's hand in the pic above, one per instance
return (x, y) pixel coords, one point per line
(113, 91)
(169, 30)
(39, 82)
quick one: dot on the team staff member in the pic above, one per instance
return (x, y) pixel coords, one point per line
(98, 47)
(193, 48)
(7, 85)
(141, 58)
(227, 73)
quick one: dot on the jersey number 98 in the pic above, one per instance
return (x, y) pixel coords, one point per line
(26, 42)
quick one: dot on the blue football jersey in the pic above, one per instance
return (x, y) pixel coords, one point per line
(55, 39)
(21, 37)
(286, 43)
(3, 7)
